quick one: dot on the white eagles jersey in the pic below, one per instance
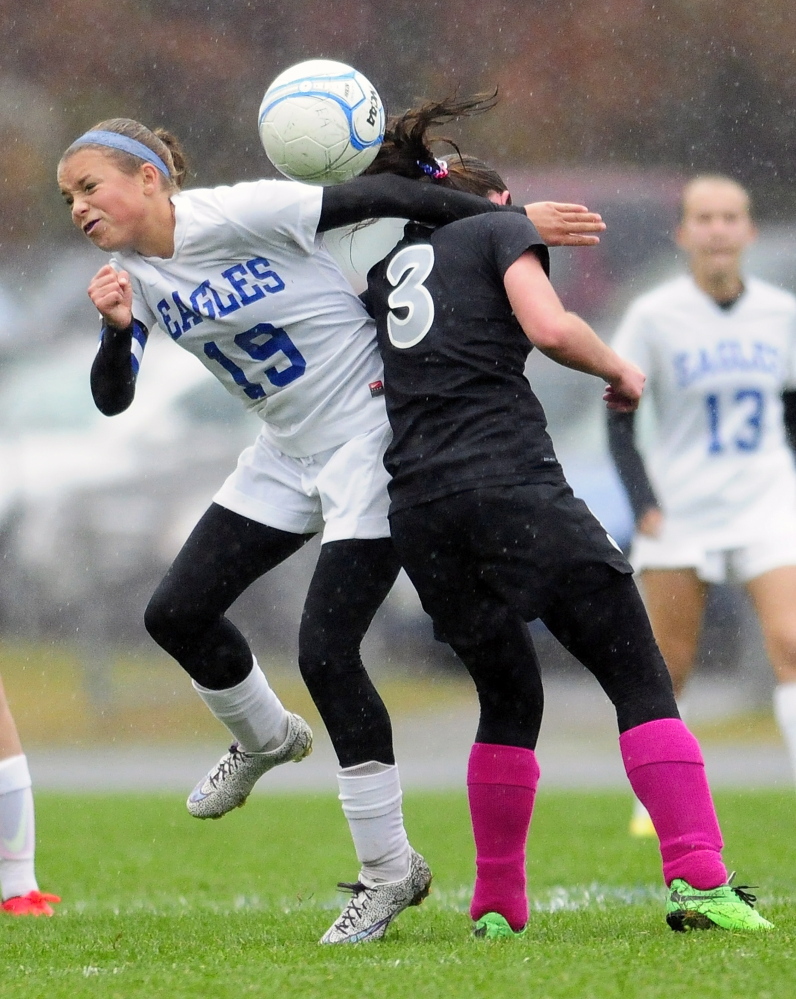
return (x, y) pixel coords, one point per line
(719, 461)
(251, 291)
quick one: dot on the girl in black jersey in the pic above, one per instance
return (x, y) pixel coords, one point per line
(492, 537)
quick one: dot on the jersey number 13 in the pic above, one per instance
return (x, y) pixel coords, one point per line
(751, 433)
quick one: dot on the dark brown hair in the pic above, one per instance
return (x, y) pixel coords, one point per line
(407, 146)
(162, 143)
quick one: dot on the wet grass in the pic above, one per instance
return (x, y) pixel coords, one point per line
(159, 905)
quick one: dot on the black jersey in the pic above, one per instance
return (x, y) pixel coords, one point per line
(462, 411)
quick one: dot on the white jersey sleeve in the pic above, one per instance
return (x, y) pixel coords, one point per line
(631, 341)
(253, 293)
(273, 208)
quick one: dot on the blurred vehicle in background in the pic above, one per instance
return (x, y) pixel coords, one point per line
(93, 509)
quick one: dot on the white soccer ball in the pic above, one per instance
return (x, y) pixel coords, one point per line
(321, 122)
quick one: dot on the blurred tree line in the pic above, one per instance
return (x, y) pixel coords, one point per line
(685, 84)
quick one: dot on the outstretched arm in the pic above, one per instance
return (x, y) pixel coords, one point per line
(122, 341)
(387, 195)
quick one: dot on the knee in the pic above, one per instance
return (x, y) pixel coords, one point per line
(321, 666)
(781, 648)
(164, 621)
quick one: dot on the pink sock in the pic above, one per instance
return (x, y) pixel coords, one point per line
(664, 764)
(501, 786)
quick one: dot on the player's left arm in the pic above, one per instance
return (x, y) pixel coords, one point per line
(390, 196)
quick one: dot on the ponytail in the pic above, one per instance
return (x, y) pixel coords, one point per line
(407, 147)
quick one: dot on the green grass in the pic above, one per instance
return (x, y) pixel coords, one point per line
(159, 905)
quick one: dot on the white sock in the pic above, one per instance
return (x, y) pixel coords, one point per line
(785, 713)
(371, 797)
(639, 811)
(17, 830)
(250, 710)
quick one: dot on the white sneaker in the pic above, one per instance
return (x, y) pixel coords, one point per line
(231, 780)
(371, 910)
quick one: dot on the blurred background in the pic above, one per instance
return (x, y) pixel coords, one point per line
(607, 102)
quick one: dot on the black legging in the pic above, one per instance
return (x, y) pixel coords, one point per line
(607, 630)
(224, 555)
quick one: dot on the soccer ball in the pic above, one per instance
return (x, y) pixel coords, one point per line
(321, 122)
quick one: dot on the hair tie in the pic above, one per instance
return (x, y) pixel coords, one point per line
(437, 171)
(115, 140)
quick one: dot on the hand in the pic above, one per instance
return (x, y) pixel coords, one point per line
(565, 225)
(112, 295)
(650, 523)
(623, 392)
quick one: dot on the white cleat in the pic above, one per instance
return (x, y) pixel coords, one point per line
(371, 910)
(231, 780)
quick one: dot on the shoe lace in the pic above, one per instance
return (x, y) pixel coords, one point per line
(355, 908)
(743, 892)
(228, 765)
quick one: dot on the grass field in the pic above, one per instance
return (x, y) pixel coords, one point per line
(157, 904)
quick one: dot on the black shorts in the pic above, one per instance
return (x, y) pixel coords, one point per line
(476, 556)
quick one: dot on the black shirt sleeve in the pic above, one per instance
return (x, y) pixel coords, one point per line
(386, 195)
(630, 464)
(113, 373)
(510, 237)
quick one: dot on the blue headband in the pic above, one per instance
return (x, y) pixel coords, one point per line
(127, 145)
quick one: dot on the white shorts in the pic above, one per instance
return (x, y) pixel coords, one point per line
(728, 565)
(341, 492)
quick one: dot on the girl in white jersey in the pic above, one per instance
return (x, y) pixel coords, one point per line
(239, 276)
(716, 498)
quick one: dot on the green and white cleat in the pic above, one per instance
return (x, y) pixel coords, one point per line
(493, 926)
(727, 907)
(232, 779)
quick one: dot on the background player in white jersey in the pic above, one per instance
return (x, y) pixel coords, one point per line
(19, 891)
(492, 537)
(239, 276)
(715, 498)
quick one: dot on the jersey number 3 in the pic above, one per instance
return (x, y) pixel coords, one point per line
(411, 307)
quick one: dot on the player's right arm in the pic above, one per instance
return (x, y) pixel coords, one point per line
(387, 195)
(633, 474)
(565, 337)
(647, 515)
(122, 340)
